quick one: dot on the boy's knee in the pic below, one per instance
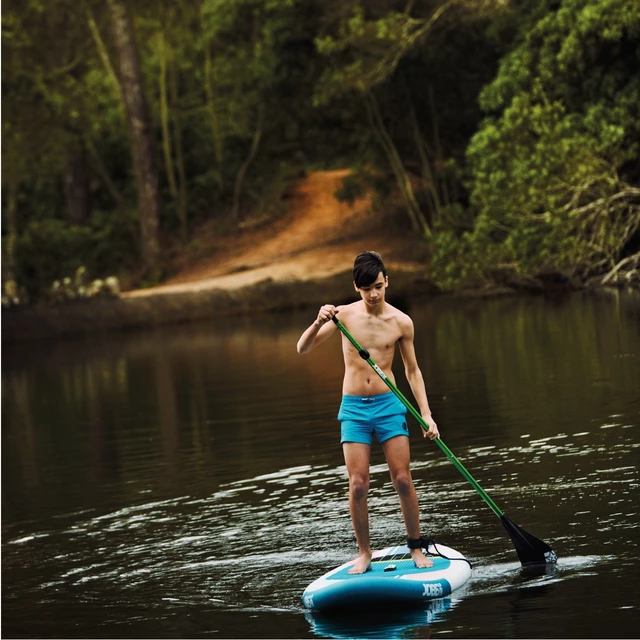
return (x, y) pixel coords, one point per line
(403, 483)
(359, 486)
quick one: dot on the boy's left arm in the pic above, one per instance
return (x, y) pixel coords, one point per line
(415, 378)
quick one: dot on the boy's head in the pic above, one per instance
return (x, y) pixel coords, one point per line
(366, 269)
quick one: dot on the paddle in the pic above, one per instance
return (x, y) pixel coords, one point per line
(530, 549)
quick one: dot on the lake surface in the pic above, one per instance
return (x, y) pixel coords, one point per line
(188, 481)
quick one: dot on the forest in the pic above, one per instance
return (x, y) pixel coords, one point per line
(503, 135)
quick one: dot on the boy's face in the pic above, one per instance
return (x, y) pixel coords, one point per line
(373, 294)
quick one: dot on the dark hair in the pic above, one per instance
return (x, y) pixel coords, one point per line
(366, 268)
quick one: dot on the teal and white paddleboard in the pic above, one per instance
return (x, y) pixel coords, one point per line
(393, 579)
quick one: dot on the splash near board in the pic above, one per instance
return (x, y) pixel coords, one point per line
(393, 580)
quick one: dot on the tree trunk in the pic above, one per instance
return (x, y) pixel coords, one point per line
(104, 54)
(237, 191)
(164, 118)
(418, 221)
(438, 148)
(183, 200)
(10, 258)
(76, 185)
(428, 181)
(143, 148)
(103, 172)
(215, 123)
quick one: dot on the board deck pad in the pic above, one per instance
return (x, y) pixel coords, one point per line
(399, 563)
(393, 579)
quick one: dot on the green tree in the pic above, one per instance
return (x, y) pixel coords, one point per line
(48, 111)
(554, 166)
(242, 53)
(405, 61)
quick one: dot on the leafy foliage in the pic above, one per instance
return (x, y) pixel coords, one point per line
(553, 167)
(52, 249)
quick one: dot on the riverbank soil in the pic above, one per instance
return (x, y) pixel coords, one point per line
(317, 239)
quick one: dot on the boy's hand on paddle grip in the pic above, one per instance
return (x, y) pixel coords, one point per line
(433, 428)
(325, 314)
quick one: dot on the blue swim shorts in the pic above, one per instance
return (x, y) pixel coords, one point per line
(362, 416)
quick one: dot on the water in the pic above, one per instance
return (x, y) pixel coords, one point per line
(188, 481)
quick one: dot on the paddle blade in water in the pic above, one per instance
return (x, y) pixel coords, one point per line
(530, 549)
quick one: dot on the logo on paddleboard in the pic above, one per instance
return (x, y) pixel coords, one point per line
(432, 590)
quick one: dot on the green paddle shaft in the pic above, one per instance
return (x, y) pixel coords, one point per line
(364, 354)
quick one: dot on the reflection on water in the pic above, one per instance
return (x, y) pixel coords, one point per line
(188, 481)
(409, 623)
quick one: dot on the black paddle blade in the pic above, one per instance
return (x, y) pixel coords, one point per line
(530, 549)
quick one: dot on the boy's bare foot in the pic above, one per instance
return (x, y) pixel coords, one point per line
(421, 561)
(362, 565)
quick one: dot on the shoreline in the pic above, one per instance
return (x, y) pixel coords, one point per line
(102, 315)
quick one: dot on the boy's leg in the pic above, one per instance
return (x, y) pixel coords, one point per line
(396, 451)
(356, 457)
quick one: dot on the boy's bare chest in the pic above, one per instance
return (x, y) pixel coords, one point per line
(378, 335)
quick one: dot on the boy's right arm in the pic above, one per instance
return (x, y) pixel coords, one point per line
(319, 331)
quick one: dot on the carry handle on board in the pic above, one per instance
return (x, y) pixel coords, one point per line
(530, 549)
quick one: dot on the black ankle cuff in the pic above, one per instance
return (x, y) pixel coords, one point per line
(418, 543)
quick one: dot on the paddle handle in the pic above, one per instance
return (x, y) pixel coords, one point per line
(364, 354)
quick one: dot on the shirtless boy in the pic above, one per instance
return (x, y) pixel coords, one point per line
(368, 406)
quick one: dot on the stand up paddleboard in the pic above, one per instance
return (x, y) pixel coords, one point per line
(393, 580)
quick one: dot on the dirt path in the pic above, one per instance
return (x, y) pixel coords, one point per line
(318, 238)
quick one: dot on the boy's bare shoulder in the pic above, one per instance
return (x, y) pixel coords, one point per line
(398, 315)
(346, 310)
(402, 321)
